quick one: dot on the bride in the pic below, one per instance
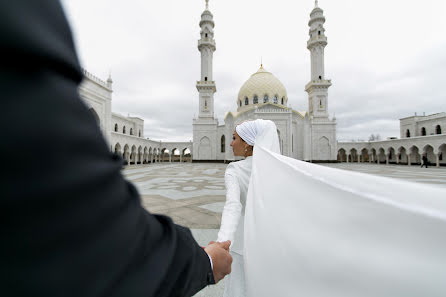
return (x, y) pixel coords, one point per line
(299, 229)
(237, 177)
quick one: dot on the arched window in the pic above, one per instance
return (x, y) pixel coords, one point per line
(246, 101)
(123, 129)
(205, 78)
(131, 131)
(275, 99)
(206, 35)
(256, 99)
(139, 133)
(240, 102)
(438, 129)
(223, 143)
(407, 133)
(282, 100)
(116, 127)
(265, 99)
(423, 131)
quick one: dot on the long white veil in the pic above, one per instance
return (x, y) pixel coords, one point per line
(311, 230)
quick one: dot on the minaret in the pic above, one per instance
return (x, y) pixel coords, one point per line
(205, 125)
(321, 137)
(318, 86)
(206, 45)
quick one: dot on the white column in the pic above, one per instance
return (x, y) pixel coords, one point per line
(359, 158)
(347, 158)
(181, 158)
(370, 158)
(387, 159)
(398, 159)
(170, 158)
(408, 159)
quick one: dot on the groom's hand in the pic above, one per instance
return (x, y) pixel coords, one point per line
(221, 259)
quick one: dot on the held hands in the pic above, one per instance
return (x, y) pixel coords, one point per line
(221, 259)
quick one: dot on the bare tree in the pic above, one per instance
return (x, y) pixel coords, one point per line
(374, 137)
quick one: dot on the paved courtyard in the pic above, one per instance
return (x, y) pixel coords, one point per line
(193, 194)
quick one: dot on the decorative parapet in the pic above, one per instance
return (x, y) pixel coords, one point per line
(206, 41)
(428, 117)
(206, 85)
(272, 110)
(95, 79)
(432, 116)
(319, 84)
(317, 39)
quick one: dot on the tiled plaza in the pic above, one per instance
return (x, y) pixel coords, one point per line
(193, 194)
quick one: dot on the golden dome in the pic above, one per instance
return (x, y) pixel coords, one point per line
(262, 84)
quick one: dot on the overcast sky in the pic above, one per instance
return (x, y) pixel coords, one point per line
(386, 58)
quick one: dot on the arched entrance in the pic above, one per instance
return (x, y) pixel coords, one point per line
(204, 149)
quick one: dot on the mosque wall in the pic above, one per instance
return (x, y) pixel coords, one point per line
(395, 151)
(298, 138)
(229, 129)
(323, 141)
(205, 139)
(222, 144)
(433, 124)
(133, 126)
(97, 96)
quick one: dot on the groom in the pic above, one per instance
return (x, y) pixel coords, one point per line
(70, 224)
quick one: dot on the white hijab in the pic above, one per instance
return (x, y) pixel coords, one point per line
(261, 133)
(311, 230)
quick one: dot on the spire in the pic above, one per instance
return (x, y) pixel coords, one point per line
(316, 3)
(109, 80)
(207, 4)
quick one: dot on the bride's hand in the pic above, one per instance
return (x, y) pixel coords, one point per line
(221, 259)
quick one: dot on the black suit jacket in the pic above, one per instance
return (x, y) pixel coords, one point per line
(70, 224)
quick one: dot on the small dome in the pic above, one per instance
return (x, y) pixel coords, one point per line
(261, 84)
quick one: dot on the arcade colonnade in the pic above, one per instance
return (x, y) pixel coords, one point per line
(135, 150)
(407, 151)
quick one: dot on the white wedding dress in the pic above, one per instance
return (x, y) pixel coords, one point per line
(237, 177)
(315, 231)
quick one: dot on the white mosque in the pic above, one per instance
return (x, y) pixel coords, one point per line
(306, 135)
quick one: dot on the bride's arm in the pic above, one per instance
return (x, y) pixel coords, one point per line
(233, 207)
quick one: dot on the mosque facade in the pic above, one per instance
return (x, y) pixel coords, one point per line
(419, 135)
(306, 135)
